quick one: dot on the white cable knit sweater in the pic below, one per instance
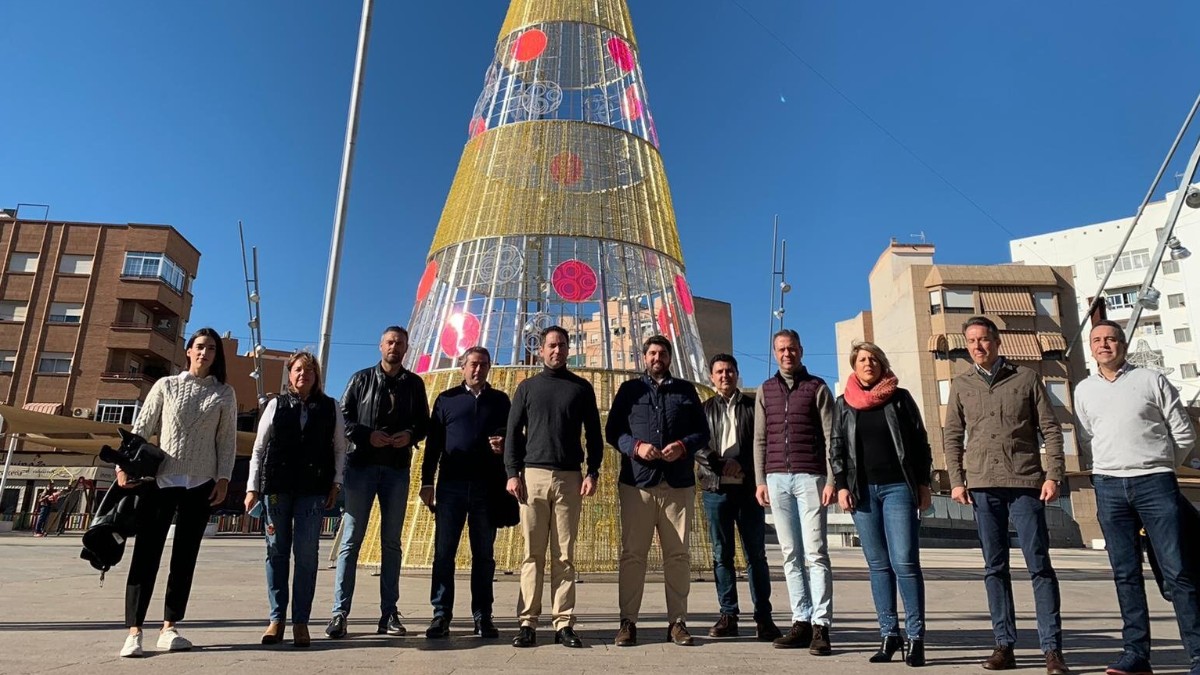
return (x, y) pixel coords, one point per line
(195, 420)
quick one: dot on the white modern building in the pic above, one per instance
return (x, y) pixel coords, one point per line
(1166, 339)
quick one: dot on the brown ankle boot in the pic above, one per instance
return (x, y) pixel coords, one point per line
(300, 637)
(273, 634)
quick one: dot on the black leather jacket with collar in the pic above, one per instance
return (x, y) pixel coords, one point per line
(908, 435)
(365, 407)
(709, 464)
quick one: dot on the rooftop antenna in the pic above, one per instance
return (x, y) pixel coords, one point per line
(255, 310)
(919, 235)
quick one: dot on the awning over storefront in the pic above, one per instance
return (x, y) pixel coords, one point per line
(1007, 301)
(75, 434)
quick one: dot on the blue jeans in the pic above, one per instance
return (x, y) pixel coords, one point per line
(461, 503)
(993, 508)
(362, 485)
(800, 524)
(293, 522)
(737, 505)
(1124, 505)
(888, 528)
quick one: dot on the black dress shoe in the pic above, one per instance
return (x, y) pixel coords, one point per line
(438, 628)
(887, 649)
(526, 637)
(484, 628)
(567, 637)
(390, 624)
(916, 653)
(337, 627)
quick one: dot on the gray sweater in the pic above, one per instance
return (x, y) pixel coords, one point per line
(1135, 425)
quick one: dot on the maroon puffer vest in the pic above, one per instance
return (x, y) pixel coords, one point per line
(795, 439)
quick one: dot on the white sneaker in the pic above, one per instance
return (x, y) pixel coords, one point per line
(170, 640)
(133, 647)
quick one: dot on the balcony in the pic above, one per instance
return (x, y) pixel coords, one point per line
(116, 376)
(144, 339)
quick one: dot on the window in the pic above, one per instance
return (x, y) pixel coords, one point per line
(65, 312)
(117, 411)
(154, 266)
(1121, 298)
(1045, 303)
(935, 302)
(943, 391)
(1170, 267)
(1187, 370)
(75, 264)
(54, 363)
(1175, 301)
(1183, 334)
(1130, 260)
(1151, 328)
(23, 262)
(8, 361)
(1069, 442)
(11, 310)
(1057, 389)
(960, 301)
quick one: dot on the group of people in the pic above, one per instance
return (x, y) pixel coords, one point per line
(491, 461)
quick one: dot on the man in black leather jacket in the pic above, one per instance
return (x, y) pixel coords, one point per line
(386, 415)
(725, 469)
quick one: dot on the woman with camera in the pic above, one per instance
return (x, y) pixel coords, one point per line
(881, 461)
(296, 472)
(194, 415)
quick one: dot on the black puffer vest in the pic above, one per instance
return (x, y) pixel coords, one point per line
(795, 440)
(300, 461)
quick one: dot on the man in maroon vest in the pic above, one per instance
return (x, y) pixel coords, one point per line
(793, 414)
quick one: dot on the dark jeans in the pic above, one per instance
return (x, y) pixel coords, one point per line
(993, 509)
(888, 528)
(43, 516)
(736, 505)
(1125, 505)
(461, 503)
(156, 508)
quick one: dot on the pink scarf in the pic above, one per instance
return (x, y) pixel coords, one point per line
(861, 398)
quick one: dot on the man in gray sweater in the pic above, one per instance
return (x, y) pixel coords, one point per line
(1139, 432)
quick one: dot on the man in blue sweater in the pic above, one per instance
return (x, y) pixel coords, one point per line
(1139, 433)
(658, 424)
(466, 440)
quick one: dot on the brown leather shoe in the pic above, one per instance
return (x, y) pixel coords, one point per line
(1055, 665)
(820, 641)
(678, 633)
(273, 634)
(300, 637)
(766, 630)
(627, 635)
(726, 626)
(1002, 658)
(799, 636)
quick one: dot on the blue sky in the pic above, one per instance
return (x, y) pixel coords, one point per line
(1046, 115)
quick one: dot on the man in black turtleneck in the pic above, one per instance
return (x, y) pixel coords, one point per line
(543, 452)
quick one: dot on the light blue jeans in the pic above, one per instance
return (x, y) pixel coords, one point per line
(362, 484)
(293, 523)
(800, 524)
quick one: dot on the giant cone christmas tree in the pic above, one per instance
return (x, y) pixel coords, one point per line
(559, 214)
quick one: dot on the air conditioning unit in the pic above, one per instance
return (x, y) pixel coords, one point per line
(84, 413)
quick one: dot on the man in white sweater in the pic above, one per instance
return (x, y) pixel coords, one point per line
(1139, 432)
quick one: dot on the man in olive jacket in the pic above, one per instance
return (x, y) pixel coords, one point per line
(1002, 407)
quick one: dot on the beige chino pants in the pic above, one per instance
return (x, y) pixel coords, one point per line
(667, 511)
(550, 516)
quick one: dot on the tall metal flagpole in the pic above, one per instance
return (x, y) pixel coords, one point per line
(339, 222)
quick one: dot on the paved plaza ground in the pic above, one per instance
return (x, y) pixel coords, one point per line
(55, 617)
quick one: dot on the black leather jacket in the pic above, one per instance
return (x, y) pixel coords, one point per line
(709, 464)
(365, 406)
(908, 435)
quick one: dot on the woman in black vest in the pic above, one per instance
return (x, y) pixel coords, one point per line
(296, 471)
(881, 468)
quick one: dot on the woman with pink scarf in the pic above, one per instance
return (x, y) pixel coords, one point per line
(881, 467)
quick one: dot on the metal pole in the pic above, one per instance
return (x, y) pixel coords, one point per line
(782, 281)
(771, 309)
(1172, 217)
(339, 222)
(257, 333)
(1162, 170)
(12, 447)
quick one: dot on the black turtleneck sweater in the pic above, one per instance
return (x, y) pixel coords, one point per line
(551, 412)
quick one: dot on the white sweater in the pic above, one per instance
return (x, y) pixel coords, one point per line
(1136, 424)
(195, 420)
